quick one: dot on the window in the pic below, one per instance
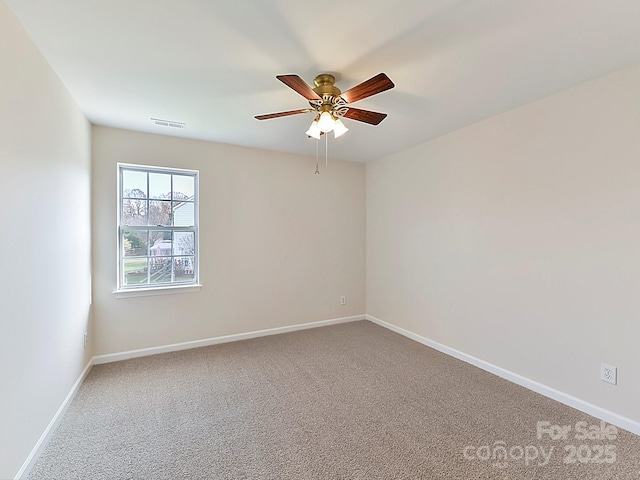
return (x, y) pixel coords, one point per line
(157, 227)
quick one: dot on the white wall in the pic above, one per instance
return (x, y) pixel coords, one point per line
(517, 240)
(45, 243)
(279, 245)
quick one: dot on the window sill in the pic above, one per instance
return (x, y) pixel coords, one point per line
(164, 290)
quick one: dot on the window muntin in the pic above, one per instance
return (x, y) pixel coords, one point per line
(157, 227)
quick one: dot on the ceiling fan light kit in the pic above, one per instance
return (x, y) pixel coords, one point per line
(331, 105)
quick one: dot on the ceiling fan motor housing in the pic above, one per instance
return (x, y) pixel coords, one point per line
(324, 85)
(330, 94)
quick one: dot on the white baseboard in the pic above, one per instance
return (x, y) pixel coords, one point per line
(569, 400)
(116, 357)
(44, 438)
(581, 405)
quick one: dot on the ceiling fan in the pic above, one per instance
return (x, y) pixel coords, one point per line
(330, 104)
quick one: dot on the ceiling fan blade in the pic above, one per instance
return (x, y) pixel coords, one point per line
(283, 114)
(374, 85)
(299, 85)
(366, 116)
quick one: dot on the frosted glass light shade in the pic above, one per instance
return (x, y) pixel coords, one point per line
(339, 129)
(326, 122)
(314, 130)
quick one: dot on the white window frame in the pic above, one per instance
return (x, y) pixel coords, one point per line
(164, 287)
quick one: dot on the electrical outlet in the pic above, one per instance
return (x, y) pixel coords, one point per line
(85, 339)
(343, 300)
(609, 374)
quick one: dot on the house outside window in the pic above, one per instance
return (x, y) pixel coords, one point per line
(157, 227)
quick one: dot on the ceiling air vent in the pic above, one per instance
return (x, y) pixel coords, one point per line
(168, 123)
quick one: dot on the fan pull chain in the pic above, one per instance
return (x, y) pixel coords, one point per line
(326, 149)
(317, 169)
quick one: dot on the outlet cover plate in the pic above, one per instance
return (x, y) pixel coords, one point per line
(609, 374)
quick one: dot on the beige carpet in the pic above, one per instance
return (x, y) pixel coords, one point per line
(351, 401)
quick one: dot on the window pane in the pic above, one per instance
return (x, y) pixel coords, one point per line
(161, 246)
(134, 243)
(135, 271)
(159, 212)
(134, 212)
(183, 214)
(183, 187)
(160, 185)
(184, 243)
(157, 236)
(160, 270)
(183, 269)
(134, 184)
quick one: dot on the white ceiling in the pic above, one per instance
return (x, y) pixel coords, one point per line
(212, 64)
